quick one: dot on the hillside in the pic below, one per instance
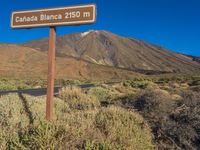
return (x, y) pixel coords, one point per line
(108, 49)
(195, 58)
(27, 62)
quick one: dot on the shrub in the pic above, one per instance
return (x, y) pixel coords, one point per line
(184, 126)
(22, 124)
(14, 84)
(195, 88)
(7, 86)
(2, 140)
(194, 83)
(42, 136)
(136, 84)
(175, 124)
(162, 80)
(93, 145)
(100, 93)
(77, 99)
(123, 129)
(152, 100)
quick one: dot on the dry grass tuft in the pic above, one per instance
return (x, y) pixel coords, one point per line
(77, 99)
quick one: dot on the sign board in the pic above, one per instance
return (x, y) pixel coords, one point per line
(52, 17)
(72, 15)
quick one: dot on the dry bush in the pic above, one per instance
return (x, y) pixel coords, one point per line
(175, 124)
(71, 92)
(22, 122)
(38, 136)
(124, 90)
(81, 129)
(195, 88)
(2, 140)
(123, 129)
(23, 125)
(136, 84)
(102, 94)
(153, 100)
(86, 132)
(107, 129)
(43, 136)
(152, 85)
(187, 116)
(77, 99)
(184, 85)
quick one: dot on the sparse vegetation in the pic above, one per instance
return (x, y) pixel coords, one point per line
(136, 84)
(106, 116)
(28, 83)
(78, 100)
(80, 123)
(100, 93)
(14, 84)
(173, 113)
(123, 129)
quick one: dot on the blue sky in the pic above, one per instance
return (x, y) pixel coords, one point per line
(173, 24)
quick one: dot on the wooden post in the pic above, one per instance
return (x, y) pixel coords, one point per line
(51, 73)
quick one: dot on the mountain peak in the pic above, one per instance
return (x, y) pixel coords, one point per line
(109, 49)
(90, 31)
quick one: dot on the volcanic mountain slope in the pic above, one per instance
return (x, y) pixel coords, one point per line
(195, 58)
(105, 48)
(19, 61)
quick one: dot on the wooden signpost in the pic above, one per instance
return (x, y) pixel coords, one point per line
(73, 15)
(52, 17)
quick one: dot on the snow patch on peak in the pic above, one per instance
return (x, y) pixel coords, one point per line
(86, 33)
(96, 32)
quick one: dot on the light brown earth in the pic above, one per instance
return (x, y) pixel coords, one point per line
(19, 61)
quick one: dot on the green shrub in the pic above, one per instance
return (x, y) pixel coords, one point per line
(136, 84)
(42, 136)
(14, 84)
(162, 81)
(100, 93)
(93, 145)
(7, 86)
(67, 82)
(12, 141)
(194, 83)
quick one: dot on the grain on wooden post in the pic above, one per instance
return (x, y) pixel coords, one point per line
(51, 73)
